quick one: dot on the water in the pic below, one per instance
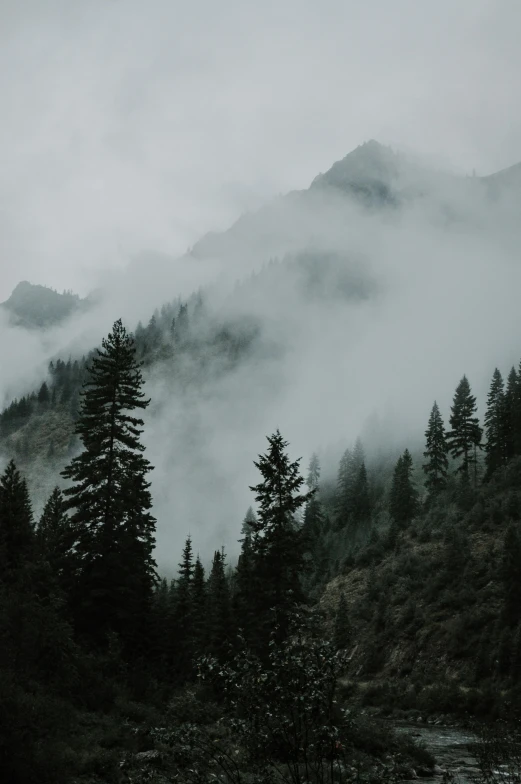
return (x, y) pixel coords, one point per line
(451, 746)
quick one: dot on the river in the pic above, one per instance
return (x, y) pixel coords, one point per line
(451, 746)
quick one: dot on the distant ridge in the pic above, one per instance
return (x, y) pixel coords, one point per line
(38, 307)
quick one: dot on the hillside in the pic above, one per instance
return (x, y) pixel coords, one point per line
(37, 307)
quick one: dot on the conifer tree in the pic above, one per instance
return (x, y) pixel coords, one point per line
(495, 447)
(219, 620)
(43, 394)
(109, 498)
(313, 477)
(512, 420)
(353, 504)
(344, 479)
(360, 502)
(199, 612)
(244, 584)
(342, 628)
(183, 611)
(55, 537)
(403, 500)
(465, 436)
(182, 324)
(313, 515)
(247, 524)
(16, 523)
(436, 453)
(278, 544)
(160, 627)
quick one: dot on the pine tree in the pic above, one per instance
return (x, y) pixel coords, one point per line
(512, 415)
(250, 519)
(342, 629)
(403, 500)
(313, 477)
(244, 584)
(183, 613)
(353, 504)
(182, 324)
(465, 436)
(16, 523)
(277, 543)
(199, 603)
(110, 499)
(360, 501)
(219, 620)
(55, 537)
(313, 514)
(344, 479)
(43, 394)
(495, 447)
(436, 453)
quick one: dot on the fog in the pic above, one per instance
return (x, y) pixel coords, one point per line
(130, 132)
(130, 126)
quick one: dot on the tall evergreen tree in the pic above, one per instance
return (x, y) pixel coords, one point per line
(199, 603)
(464, 438)
(109, 497)
(360, 501)
(403, 500)
(183, 612)
(277, 543)
(511, 395)
(16, 522)
(313, 477)
(495, 426)
(55, 537)
(244, 584)
(219, 619)
(313, 514)
(352, 505)
(436, 453)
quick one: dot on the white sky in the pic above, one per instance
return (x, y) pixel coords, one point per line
(130, 125)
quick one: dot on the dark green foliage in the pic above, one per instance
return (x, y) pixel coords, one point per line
(277, 542)
(182, 626)
(511, 574)
(199, 608)
(495, 426)
(284, 710)
(353, 507)
(218, 617)
(403, 499)
(55, 535)
(436, 453)
(43, 394)
(512, 412)
(342, 632)
(313, 529)
(110, 498)
(464, 438)
(244, 582)
(16, 523)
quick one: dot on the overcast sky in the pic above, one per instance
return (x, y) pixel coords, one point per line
(129, 125)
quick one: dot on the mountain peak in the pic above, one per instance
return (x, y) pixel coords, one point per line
(367, 171)
(32, 305)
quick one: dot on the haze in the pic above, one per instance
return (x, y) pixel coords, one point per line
(129, 131)
(129, 126)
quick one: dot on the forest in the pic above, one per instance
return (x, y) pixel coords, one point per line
(394, 587)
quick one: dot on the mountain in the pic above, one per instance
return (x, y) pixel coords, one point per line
(370, 181)
(34, 306)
